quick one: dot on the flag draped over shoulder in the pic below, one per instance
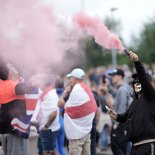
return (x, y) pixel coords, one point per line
(21, 124)
(8, 99)
(79, 112)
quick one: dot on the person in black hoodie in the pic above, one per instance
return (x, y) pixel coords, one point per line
(141, 112)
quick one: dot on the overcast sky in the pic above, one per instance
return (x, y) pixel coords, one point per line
(131, 13)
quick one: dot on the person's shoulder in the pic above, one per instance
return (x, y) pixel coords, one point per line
(125, 87)
(53, 91)
(11, 82)
(76, 87)
(78, 90)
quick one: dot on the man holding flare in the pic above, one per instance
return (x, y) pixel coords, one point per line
(141, 112)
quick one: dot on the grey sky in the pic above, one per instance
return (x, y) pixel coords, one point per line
(131, 13)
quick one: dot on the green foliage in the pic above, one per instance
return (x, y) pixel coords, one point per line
(146, 42)
(144, 45)
(97, 55)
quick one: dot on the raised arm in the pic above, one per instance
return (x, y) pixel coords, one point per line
(148, 89)
(64, 96)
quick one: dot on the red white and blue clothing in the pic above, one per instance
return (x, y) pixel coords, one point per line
(80, 111)
(16, 110)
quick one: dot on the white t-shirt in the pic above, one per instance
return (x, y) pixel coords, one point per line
(47, 106)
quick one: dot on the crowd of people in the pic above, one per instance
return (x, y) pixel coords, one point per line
(106, 107)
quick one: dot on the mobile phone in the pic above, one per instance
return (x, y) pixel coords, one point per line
(107, 108)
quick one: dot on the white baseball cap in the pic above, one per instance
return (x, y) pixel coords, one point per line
(78, 73)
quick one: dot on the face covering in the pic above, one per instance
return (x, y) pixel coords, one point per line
(137, 87)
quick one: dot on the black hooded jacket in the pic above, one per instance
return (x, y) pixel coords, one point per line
(142, 110)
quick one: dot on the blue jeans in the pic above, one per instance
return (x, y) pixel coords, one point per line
(104, 137)
(60, 141)
(48, 140)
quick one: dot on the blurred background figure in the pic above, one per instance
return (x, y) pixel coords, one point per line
(153, 81)
(104, 126)
(122, 100)
(47, 115)
(59, 85)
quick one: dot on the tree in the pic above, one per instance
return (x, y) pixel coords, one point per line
(146, 42)
(97, 55)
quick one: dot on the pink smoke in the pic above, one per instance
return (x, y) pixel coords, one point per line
(94, 26)
(31, 36)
